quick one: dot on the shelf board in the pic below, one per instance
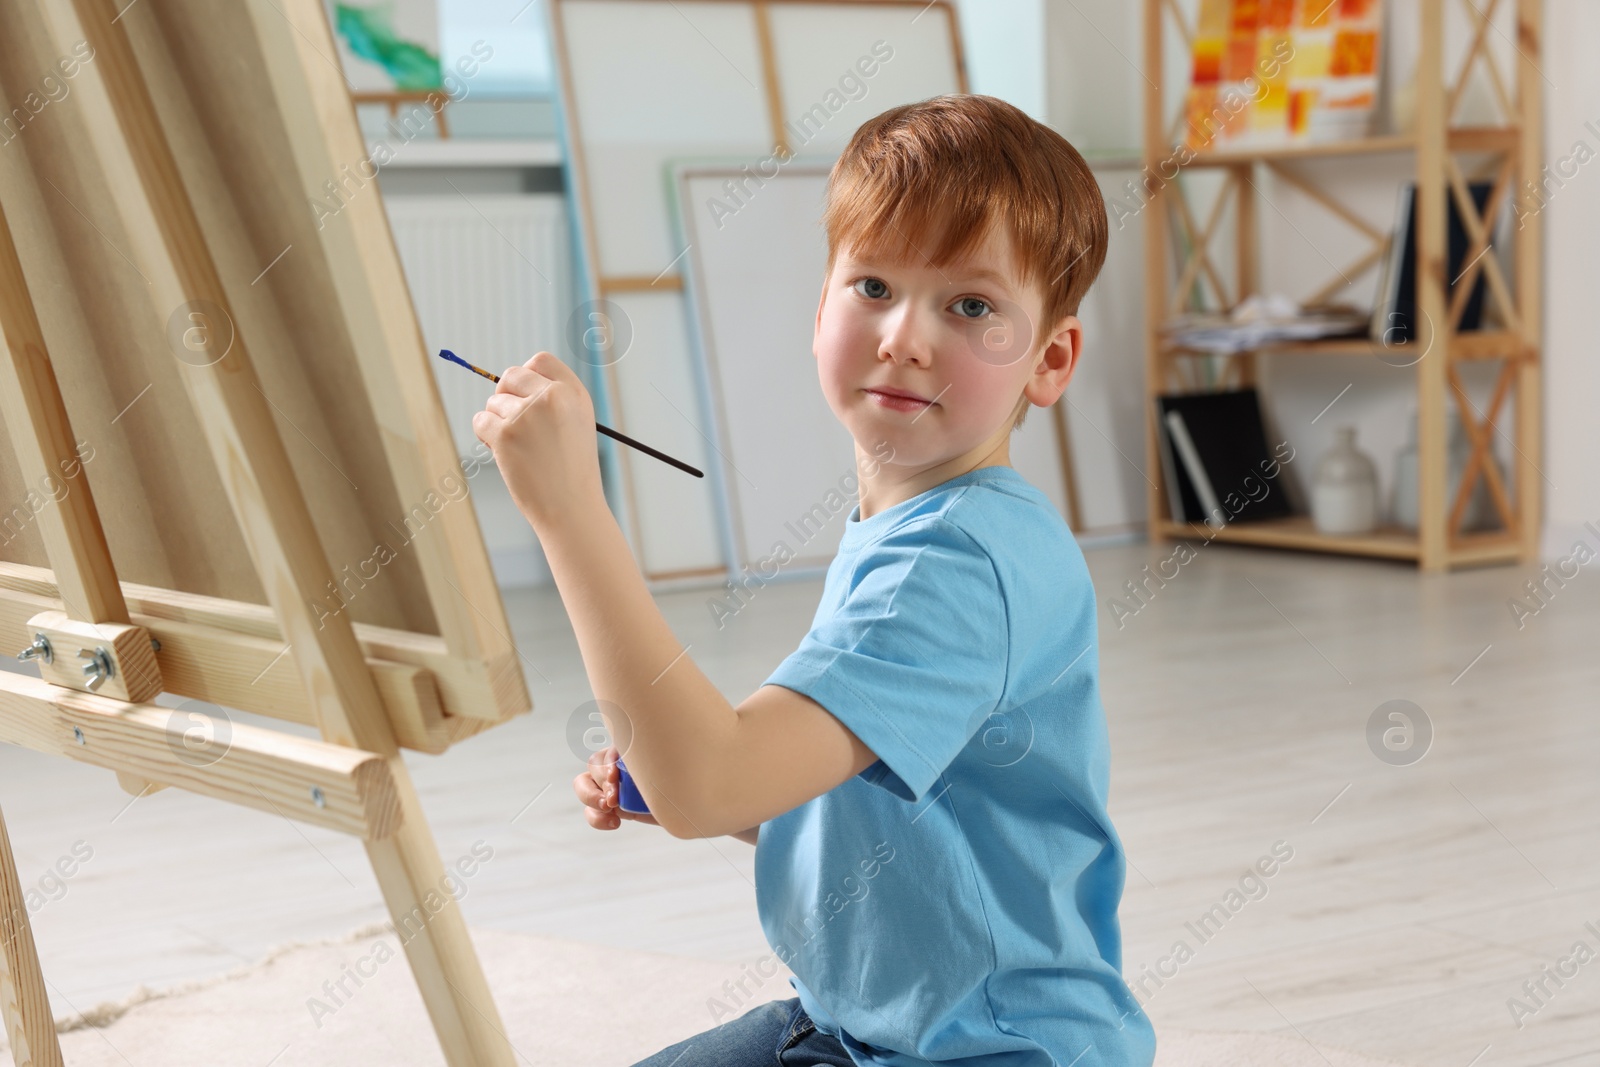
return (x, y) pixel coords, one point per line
(1495, 546)
(1458, 139)
(1357, 146)
(1331, 346)
(1388, 542)
(1490, 344)
(1475, 344)
(1297, 531)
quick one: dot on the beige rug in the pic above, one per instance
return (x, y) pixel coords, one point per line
(564, 1004)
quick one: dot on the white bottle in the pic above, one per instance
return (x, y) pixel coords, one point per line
(1479, 511)
(1344, 490)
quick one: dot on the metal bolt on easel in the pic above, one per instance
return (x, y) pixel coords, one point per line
(40, 649)
(99, 667)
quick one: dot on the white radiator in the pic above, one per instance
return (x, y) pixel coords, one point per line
(491, 278)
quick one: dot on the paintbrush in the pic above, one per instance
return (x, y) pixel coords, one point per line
(445, 353)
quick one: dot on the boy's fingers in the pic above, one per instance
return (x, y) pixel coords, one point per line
(603, 766)
(551, 366)
(505, 405)
(535, 376)
(592, 794)
(518, 381)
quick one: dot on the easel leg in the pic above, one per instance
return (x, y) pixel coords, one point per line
(429, 923)
(23, 1002)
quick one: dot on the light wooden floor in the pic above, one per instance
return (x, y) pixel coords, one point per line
(1418, 900)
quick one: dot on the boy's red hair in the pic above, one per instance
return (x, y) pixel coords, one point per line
(945, 169)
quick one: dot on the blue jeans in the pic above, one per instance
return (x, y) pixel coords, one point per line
(778, 1033)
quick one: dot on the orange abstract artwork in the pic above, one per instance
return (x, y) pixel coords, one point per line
(1355, 52)
(1276, 71)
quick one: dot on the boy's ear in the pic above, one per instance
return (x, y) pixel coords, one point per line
(1059, 361)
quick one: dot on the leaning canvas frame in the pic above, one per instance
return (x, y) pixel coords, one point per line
(646, 84)
(204, 319)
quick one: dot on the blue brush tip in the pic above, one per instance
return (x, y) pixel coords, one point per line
(445, 353)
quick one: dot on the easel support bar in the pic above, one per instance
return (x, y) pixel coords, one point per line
(483, 691)
(256, 674)
(310, 781)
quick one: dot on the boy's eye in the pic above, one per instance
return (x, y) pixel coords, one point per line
(872, 288)
(971, 307)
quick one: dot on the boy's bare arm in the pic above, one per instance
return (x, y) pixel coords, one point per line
(704, 767)
(749, 835)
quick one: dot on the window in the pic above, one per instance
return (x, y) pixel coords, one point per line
(517, 32)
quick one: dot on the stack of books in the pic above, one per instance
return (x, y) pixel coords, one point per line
(1215, 458)
(1395, 307)
(1260, 322)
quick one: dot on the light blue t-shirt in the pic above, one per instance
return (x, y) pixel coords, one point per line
(956, 902)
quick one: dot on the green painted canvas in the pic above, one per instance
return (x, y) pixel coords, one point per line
(369, 33)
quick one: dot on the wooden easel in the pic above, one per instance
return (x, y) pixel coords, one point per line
(151, 348)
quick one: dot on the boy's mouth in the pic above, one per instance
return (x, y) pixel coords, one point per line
(898, 400)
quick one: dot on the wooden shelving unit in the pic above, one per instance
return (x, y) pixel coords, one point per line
(1513, 156)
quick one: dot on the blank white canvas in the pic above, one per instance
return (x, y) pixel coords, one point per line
(652, 82)
(755, 283)
(818, 48)
(658, 397)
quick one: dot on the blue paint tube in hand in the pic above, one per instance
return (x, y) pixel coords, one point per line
(628, 796)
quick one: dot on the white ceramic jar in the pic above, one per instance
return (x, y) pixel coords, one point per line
(1344, 489)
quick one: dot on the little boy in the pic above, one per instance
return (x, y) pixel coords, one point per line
(926, 776)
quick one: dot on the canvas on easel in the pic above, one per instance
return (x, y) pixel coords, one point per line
(226, 470)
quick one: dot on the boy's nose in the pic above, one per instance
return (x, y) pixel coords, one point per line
(906, 339)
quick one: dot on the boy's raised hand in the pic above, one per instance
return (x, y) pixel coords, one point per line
(540, 425)
(598, 786)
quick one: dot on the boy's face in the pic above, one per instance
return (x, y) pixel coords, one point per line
(965, 339)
